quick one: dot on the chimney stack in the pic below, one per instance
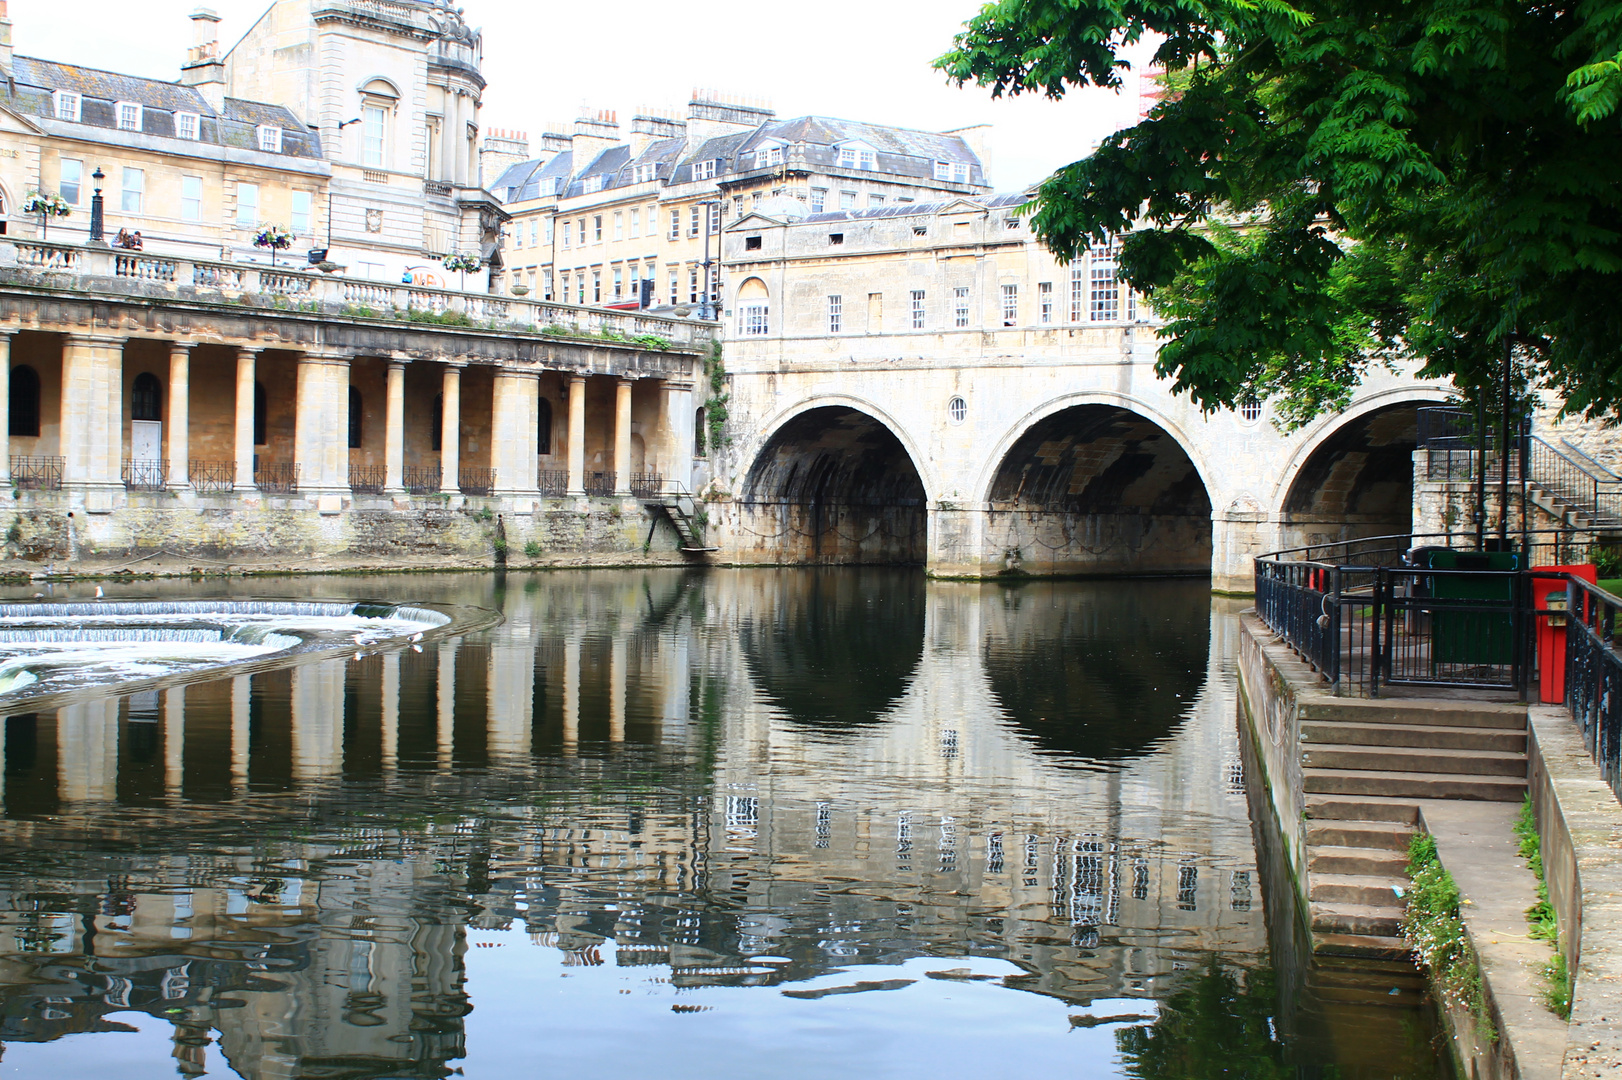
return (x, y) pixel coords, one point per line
(711, 114)
(594, 132)
(500, 151)
(649, 127)
(204, 70)
(5, 39)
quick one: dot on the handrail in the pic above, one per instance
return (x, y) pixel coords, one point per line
(1408, 540)
(1609, 474)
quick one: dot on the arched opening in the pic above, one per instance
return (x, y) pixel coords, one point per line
(1098, 489)
(1358, 482)
(754, 308)
(701, 432)
(355, 414)
(261, 414)
(146, 398)
(436, 424)
(543, 426)
(835, 485)
(24, 402)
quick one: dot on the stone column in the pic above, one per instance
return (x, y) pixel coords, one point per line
(450, 433)
(571, 694)
(174, 739)
(241, 694)
(577, 435)
(511, 679)
(677, 463)
(513, 432)
(445, 705)
(447, 148)
(391, 709)
(318, 720)
(622, 437)
(87, 751)
(394, 432)
(6, 336)
(178, 429)
(464, 112)
(244, 431)
(616, 689)
(92, 438)
(321, 424)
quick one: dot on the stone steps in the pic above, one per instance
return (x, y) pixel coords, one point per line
(1369, 810)
(1361, 920)
(1363, 946)
(1415, 759)
(1454, 714)
(1414, 785)
(1429, 736)
(1364, 890)
(1369, 835)
(1360, 861)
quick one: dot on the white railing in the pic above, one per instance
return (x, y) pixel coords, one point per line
(343, 297)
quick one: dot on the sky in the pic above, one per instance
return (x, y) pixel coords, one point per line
(546, 62)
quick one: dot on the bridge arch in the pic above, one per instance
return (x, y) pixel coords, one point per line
(1353, 475)
(836, 480)
(1097, 483)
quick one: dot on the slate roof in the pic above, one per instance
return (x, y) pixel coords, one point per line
(33, 82)
(533, 179)
(921, 209)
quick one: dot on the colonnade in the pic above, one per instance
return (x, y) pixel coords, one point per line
(93, 445)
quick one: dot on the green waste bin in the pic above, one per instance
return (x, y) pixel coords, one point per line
(1466, 637)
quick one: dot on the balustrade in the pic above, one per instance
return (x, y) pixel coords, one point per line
(277, 477)
(212, 477)
(367, 479)
(36, 473)
(423, 479)
(145, 475)
(476, 481)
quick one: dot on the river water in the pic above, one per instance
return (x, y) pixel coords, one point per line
(735, 824)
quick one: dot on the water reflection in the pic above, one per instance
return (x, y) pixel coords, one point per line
(796, 814)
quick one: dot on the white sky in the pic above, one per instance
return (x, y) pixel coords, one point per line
(854, 59)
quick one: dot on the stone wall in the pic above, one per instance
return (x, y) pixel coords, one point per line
(44, 531)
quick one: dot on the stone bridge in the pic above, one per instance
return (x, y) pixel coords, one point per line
(1040, 450)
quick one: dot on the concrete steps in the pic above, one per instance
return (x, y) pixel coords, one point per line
(1363, 765)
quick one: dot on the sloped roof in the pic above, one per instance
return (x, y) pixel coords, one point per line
(33, 82)
(533, 179)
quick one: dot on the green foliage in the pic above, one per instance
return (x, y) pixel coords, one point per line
(484, 514)
(439, 318)
(500, 545)
(1435, 931)
(1607, 561)
(1333, 179)
(1540, 917)
(532, 549)
(1213, 1025)
(1557, 986)
(715, 405)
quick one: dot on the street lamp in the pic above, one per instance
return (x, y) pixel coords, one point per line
(98, 212)
(706, 310)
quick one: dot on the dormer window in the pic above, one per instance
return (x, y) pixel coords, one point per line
(270, 139)
(704, 170)
(856, 156)
(67, 105)
(592, 184)
(647, 173)
(943, 170)
(188, 125)
(769, 157)
(960, 173)
(129, 116)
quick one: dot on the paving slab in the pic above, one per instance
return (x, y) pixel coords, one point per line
(1476, 843)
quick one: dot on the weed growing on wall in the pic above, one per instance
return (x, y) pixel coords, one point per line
(715, 405)
(1540, 917)
(1433, 929)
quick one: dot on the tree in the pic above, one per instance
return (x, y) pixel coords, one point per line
(1337, 182)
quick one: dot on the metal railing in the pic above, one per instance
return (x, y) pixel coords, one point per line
(145, 475)
(279, 477)
(477, 481)
(600, 483)
(423, 479)
(647, 485)
(212, 477)
(1577, 479)
(1594, 674)
(368, 479)
(552, 481)
(34, 473)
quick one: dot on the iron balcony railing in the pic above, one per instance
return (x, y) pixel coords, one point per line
(145, 475)
(212, 477)
(279, 477)
(553, 481)
(423, 479)
(34, 473)
(647, 485)
(477, 481)
(367, 479)
(600, 483)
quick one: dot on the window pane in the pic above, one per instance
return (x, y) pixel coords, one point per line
(247, 205)
(300, 221)
(72, 180)
(372, 126)
(191, 198)
(134, 188)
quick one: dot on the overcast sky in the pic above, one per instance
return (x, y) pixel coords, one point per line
(855, 59)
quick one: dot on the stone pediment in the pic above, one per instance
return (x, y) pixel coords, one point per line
(12, 123)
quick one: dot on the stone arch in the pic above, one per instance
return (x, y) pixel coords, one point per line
(1354, 475)
(1097, 485)
(834, 481)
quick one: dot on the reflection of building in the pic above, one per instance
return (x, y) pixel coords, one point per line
(633, 770)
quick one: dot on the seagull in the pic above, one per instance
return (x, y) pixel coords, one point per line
(360, 639)
(417, 636)
(358, 655)
(416, 648)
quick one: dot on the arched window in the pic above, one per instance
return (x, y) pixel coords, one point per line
(261, 414)
(436, 427)
(354, 418)
(146, 398)
(754, 308)
(543, 427)
(24, 401)
(701, 432)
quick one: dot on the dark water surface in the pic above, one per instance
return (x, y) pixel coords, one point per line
(742, 824)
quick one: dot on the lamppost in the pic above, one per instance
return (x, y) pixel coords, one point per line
(706, 310)
(98, 212)
(324, 254)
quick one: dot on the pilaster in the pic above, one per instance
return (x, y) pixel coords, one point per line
(321, 424)
(513, 433)
(6, 336)
(93, 412)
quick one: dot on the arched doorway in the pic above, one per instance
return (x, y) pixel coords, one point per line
(1358, 481)
(834, 485)
(146, 418)
(1098, 489)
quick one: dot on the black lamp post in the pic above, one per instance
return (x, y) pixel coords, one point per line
(706, 310)
(98, 210)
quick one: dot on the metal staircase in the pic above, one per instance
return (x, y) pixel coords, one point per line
(679, 507)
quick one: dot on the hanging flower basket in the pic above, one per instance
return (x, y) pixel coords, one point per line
(273, 237)
(47, 207)
(463, 263)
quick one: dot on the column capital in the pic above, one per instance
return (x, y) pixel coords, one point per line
(93, 341)
(456, 365)
(397, 365)
(9, 332)
(335, 359)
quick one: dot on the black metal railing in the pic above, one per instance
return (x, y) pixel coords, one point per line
(145, 475)
(212, 477)
(1594, 674)
(368, 479)
(552, 481)
(647, 485)
(423, 479)
(279, 477)
(600, 483)
(477, 481)
(1574, 477)
(34, 473)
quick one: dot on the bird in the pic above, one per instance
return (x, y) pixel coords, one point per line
(417, 636)
(416, 648)
(360, 639)
(358, 655)
(99, 593)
